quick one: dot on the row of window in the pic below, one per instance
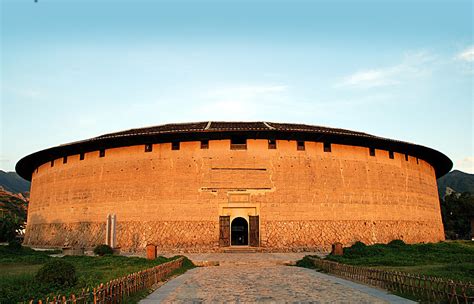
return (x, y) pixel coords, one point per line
(81, 157)
(235, 144)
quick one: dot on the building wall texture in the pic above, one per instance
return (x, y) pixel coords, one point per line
(305, 200)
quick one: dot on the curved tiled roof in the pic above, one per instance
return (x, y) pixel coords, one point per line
(221, 130)
(223, 126)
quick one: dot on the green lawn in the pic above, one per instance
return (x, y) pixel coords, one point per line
(18, 268)
(451, 260)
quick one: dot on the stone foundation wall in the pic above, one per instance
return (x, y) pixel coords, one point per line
(320, 235)
(169, 236)
(65, 235)
(203, 236)
(131, 236)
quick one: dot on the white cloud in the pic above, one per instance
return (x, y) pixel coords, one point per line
(467, 55)
(466, 164)
(413, 65)
(371, 78)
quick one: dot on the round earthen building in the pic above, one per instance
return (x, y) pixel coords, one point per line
(210, 185)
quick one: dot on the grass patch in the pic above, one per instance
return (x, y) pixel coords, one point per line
(450, 260)
(24, 255)
(18, 268)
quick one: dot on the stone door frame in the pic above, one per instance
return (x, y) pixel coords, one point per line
(239, 204)
(228, 214)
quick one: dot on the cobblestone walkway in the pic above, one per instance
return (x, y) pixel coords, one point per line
(249, 280)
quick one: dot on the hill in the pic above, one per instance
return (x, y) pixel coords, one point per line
(12, 182)
(456, 181)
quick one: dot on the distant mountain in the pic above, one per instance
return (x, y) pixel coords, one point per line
(456, 181)
(12, 182)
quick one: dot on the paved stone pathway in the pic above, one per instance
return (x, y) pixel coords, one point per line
(249, 278)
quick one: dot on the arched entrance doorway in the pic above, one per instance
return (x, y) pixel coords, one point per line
(239, 232)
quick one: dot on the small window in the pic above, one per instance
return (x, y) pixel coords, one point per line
(300, 145)
(238, 143)
(390, 154)
(417, 161)
(64, 159)
(52, 163)
(175, 145)
(205, 144)
(272, 144)
(148, 147)
(81, 156)
(327, 147)
(36, 169)
(406, 157)
(372, 151)
(102, 153)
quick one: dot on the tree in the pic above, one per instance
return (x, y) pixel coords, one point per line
(13, 217)
(457, 210)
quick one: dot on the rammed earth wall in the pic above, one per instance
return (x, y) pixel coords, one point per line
(305, 199)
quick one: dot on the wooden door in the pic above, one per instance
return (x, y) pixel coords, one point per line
(253, 231)
(224, 231)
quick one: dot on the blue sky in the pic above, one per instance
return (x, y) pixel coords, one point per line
(71, 70)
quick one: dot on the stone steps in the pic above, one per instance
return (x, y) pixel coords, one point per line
(240, 250)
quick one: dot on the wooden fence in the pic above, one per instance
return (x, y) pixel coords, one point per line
(426, 288)
(116, 290)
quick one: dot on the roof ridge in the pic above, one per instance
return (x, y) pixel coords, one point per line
(268, 125)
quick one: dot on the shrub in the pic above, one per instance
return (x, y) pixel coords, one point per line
(103, 250)
(57, 273)
(306, 262)
(14, 245)
(396, 243)
(358, 244)
(357, 249)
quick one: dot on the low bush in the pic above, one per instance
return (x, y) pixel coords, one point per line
(306, 262)
(357, 249)
(58, 273)
(14, 245)
(358, 245)
(396, 243)
(103, 250)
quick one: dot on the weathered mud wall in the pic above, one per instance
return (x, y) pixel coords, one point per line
(305, 199)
